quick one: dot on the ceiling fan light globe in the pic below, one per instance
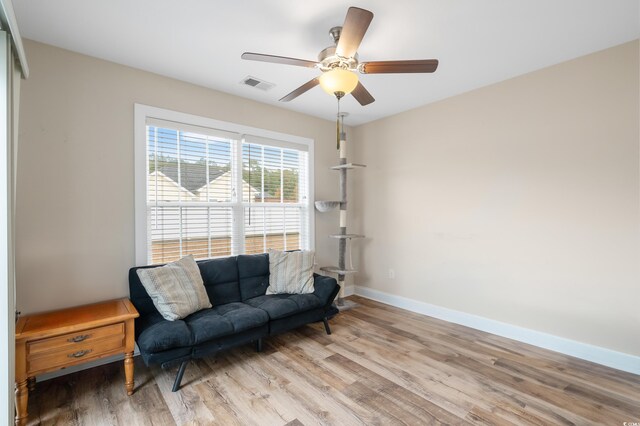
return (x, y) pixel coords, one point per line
(338, 80)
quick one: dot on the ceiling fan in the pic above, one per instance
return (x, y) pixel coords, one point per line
(339, 63)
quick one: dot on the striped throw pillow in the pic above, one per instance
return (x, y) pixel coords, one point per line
(290, 272)
(177, 289)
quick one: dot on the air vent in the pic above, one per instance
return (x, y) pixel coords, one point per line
(257, 83)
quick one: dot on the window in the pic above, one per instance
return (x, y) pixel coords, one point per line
(213, 189)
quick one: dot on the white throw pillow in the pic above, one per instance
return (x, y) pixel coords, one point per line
(177, 289)
(290, 272)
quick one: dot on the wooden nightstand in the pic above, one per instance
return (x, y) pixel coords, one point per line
(54, 340)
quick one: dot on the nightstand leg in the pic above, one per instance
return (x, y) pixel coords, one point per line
(31, 384)
(22, 397)
(128, 372)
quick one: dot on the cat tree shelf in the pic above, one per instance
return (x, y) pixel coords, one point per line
(347, 166)
(336, 270)
(346, 236)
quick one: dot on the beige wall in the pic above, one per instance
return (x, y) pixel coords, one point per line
(517, 202)
(75, 212)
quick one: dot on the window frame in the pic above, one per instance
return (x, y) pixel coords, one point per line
(143, 113)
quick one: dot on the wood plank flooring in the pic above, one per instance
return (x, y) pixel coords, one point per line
(381, 366)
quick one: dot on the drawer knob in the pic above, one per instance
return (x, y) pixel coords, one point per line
(79, 354)
(79, 338)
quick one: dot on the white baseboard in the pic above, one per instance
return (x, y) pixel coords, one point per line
(597, 354)
(84, 366)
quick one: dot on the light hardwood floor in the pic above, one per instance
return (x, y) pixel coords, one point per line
(381, 366)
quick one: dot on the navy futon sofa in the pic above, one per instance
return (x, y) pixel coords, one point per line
(241, 312)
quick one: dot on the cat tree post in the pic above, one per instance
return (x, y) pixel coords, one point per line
(343, 237)
(342, 242)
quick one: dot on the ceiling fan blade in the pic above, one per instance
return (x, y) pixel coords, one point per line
(390, 67)
(362, 95)
(278, 59)
(353, 29)
(300, 90)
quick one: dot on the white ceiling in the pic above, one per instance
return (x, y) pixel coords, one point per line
(200, 41)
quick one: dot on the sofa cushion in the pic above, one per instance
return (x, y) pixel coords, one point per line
(253, 272)
(176, 288)
(290, 272)
(220, 278)
(223, 320)
(156, 334)
(283, 305)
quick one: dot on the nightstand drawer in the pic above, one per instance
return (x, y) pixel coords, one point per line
(71, 341)
(73, 355)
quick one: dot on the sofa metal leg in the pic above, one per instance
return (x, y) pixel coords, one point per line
(326, 325)
(176, 384)
(259, 345)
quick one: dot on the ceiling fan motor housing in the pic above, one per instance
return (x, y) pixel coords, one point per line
(329, 60)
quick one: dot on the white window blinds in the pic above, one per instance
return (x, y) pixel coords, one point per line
(275, 212)
(214, 193)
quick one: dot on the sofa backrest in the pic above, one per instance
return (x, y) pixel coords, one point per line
(253, 270)
(138, 295)
(220, 277)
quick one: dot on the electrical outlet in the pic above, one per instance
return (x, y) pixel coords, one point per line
(392, 274)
